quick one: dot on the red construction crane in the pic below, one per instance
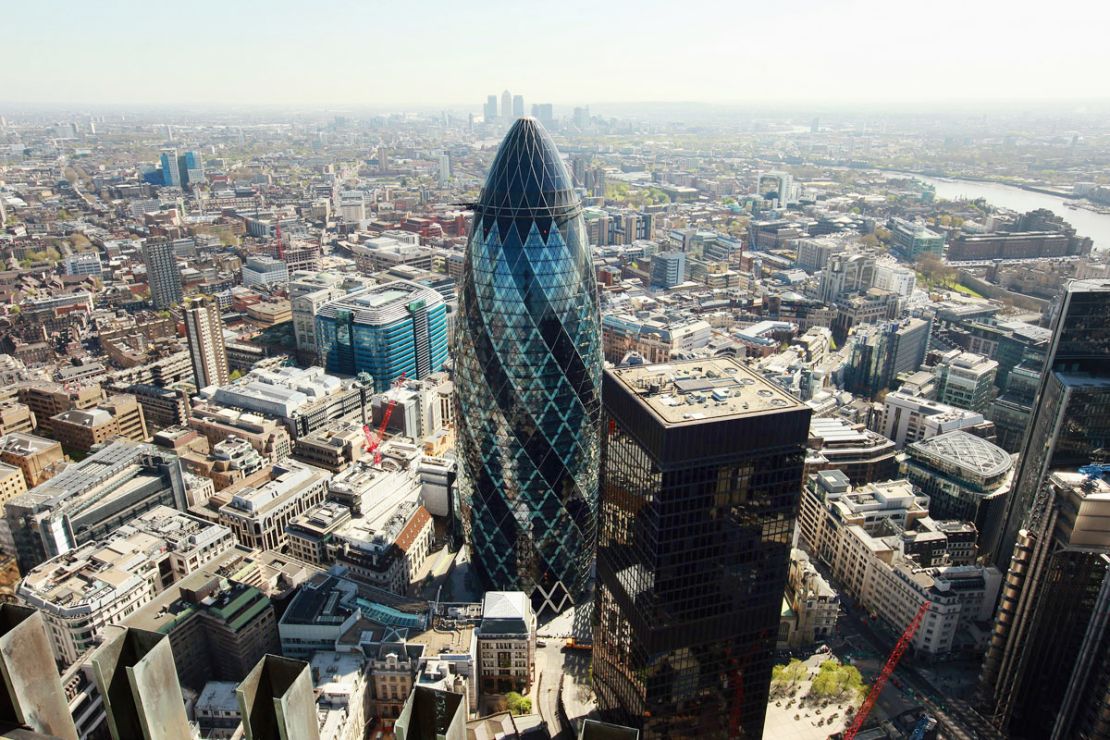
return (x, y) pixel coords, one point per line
(885, 673)
(372, 440)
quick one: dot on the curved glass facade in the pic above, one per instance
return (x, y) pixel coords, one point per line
(527, 374)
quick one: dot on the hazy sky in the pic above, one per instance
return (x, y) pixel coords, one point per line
(387, 52)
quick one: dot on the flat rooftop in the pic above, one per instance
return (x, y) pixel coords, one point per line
(695, 390)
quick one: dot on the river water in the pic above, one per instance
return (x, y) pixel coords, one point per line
(1086, 223)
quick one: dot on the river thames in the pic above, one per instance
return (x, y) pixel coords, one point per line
(1086, 223)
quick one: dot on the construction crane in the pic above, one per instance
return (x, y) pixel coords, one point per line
(885, 673)
(373, 441)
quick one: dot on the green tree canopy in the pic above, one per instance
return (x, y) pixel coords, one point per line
(518, 704)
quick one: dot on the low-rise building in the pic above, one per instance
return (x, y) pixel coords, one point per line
(217, 710)
(38, 458)
(259, 516)
(964, 476)
(393, 670)
(815, 604)
(881, 547)
(230, 461)
(836, 443)
(16, 417)
(906, 419)
(318, 617)
(333, 447)
(119, 416)
(218, 627)
(268, 437)
(100, 583)
(342, 694)
(506, 642)
(46, 400)
(653, 338)
(91, 499)
(312, 534)
(301, 400)
(966, 380)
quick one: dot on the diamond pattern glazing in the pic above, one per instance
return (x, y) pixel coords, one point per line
(527, 351)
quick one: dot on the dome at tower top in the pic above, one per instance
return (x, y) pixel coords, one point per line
(527, 176)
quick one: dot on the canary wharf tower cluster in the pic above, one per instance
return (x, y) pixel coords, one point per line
(528, 377)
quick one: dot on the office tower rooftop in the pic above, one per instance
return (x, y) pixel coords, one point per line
(528, 364)
(699, 390)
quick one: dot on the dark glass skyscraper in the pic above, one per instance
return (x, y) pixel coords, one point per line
(701, 473)
(527, 374)
(1047, 669)
(1070, 424)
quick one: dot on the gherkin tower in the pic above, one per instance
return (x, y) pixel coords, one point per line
(527, 351)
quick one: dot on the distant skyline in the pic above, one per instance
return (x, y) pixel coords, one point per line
(438, 53)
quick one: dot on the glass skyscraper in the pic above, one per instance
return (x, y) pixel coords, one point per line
(390, 329)
(527, 377)
(1070, 424)
(701, 472)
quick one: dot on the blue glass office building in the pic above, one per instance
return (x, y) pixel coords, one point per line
(527, 377)
(394, 328)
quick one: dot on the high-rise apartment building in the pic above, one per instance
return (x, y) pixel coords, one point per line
(1071, 414)
(204, 331)
(171, 168)
(389, 329)
(700, 479)
(190, 168)
(163, 275)
(1047, 669)
(527, 375)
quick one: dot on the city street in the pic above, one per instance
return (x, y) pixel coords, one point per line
(551, 661)
(957, 718)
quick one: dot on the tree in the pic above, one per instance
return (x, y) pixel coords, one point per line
(791, 673)
(932, 268)
(518, 704)
(837, 680)
(235, 374)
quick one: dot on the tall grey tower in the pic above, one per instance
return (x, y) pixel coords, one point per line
(204, 331)
(162, 273)
(527, 375)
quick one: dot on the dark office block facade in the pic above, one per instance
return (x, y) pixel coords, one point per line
(1046, 673)
(700, 479)
(1070, 424)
